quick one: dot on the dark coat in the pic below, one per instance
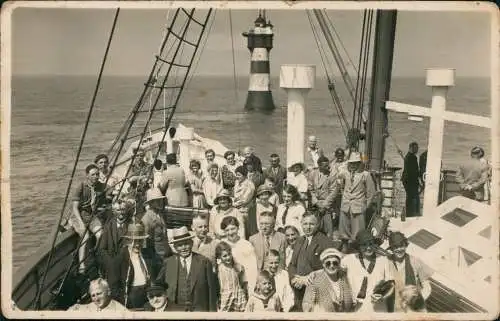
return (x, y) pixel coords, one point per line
(110, 245)
(279, 178)
(123, 270)
(202, 280)
(305, 261)
(411, 171)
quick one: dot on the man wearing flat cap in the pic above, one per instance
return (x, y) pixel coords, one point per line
(192, 283)
(411, 276)
(330, 290)
(157, 298)
(365, 270)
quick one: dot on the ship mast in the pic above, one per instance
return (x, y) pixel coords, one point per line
(376, 129)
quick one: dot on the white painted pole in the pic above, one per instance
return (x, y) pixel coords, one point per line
(297, 80)
(440, 80)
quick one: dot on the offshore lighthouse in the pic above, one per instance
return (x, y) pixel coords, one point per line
(260, 43)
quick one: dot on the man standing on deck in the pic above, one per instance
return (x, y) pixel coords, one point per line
(203, 243)
(249, 152)
(473, 175)
(314, 153)
(322, 187)
(411, 181)
(359, 190)
(192, 282)
(278, 173)
(89, 203)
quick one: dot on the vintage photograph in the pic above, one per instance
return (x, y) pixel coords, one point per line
(331, 158)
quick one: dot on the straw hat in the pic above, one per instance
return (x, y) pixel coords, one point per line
(222, 194)
(263, 189)
(136, 231)
(290, 168)
(180, 234)
(153, 194)
(330, 252)
(354, 158)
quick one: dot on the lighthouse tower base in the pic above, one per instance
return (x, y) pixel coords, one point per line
(260, 100)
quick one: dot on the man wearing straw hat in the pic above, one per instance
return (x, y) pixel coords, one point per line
(136, 267)
(192, 283)
(359, 190)
(154, 223)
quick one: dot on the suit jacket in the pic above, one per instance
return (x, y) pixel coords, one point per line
(323, 189)
(321, 297)
(357, 194)
(110, 244)
(174, 182)
(411, 171)
(277, 242)
(306, 260)
(202, 280)
(279, 177)
(123, 271)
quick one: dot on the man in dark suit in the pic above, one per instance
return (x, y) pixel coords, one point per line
(277, 173)
(411, 181)
(135, 267)
(112, 240)
(192, 283)
(306, 256)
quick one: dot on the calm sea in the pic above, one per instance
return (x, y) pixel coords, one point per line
(48, 115)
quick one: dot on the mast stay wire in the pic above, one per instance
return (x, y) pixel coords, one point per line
(336, 100)
(234, 76)
(82, 139)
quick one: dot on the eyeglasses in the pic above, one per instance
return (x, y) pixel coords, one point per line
(331, 263)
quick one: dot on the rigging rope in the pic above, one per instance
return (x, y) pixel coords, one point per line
(234, 75)
(82, 139)
(336, 100)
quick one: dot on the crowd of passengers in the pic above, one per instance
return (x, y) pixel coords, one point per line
(275, 239)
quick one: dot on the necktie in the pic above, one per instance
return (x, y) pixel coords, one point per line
(285, 213)
(268, 243)
(184, 266)
(143, 268)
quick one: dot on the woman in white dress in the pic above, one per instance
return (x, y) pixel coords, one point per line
(195, 180)
(243, 250)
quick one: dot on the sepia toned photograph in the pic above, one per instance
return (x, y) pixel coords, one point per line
(215, 160)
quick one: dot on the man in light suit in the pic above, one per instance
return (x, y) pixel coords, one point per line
(173, 183)
(323, 191)
(278, 173)
(306, 256)
(192, 283)
(268, 239)
(359, 191)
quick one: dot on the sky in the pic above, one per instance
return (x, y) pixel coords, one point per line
(72, 41)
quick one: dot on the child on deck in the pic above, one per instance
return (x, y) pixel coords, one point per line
(274, 199)
(232, 280)
(264, 297)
